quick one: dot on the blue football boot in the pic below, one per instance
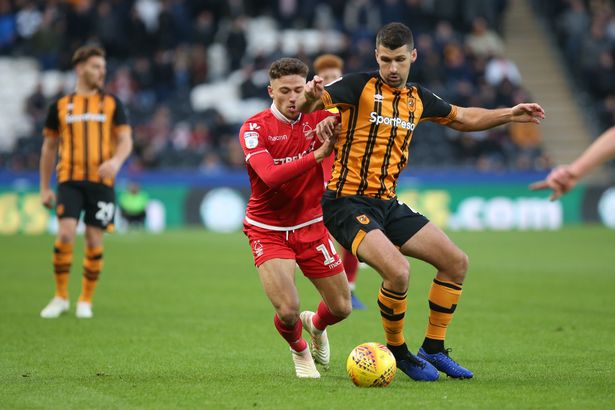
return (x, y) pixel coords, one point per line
(356, 303)
(417, 368)
(445, 364)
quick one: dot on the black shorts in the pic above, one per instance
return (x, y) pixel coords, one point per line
(350, 218)
(97, 200)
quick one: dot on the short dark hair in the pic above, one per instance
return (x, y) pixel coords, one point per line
(85, 52)
(287, 66)
(395, 35)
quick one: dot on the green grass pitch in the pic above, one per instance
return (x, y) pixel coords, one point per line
(181, 321)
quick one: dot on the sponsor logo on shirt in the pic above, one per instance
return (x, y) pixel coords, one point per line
(275, 138)
(85, 117)
(392, 121)
(278, 161)
(251, 139)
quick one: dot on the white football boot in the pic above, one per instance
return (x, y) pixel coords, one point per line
(304, 364)
(320, 342)
(55, 308)
(84, 310)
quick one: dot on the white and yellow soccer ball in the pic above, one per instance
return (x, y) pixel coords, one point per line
(371, 365)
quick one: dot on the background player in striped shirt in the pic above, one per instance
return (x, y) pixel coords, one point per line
(329, 67)
(379, 112)
(89, 131)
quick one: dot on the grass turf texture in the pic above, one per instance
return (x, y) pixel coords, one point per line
(181, 321)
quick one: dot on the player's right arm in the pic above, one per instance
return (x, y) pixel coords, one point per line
(48, 156)
(310, 100)
(343, 92)
(261, 161)
(563, 178)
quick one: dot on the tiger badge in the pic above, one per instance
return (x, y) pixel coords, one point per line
(411, 104)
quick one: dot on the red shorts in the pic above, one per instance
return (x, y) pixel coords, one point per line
(311, 247)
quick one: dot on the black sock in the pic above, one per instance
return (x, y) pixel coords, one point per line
(432, 346)
(398, 351)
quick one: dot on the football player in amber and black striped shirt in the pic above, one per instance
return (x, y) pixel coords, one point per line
(329, 68)
(379, 112)
(89, 133)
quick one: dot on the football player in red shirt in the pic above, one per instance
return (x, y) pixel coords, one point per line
(284, 218)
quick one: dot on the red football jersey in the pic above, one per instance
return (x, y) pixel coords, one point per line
(286, 202)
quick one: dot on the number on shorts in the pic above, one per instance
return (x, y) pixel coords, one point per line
(325, 252)
(105, 212)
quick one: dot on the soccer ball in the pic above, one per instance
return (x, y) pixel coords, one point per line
(371, 365)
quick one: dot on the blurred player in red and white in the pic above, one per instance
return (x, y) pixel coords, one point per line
(329, 67)
(283, 221)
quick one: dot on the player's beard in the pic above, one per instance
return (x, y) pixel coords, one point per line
(94, 82)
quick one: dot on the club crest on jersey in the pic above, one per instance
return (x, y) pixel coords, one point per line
(308, 132)
(258, 248)
(411, 104)
(251, 139)
(363, 219)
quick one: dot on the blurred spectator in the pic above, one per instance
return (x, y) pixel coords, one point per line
(573, 24)
(211, 163)
(133, 205)
(198, 65)
(362, 16)
(601, 77)
(8, 27)
(36, 106)
(29, 19)
(483, 42)
(501, 68)
(204, 31)
(236, 42)
(123, 85)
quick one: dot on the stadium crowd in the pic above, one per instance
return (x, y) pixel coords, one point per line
(585, 32)
(160, 50)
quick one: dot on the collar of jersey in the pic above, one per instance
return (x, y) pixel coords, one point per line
(283, 117)
(404, 89)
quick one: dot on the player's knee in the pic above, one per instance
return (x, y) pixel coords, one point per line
(398, 274)
(342, 309)
(459, 267)
(288, 315)
(65, 237)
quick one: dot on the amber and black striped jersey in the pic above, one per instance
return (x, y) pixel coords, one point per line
(377, 125)
(87, 127)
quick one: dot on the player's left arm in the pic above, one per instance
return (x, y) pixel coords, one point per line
(474, 118)
(478, 119)
(123, 132)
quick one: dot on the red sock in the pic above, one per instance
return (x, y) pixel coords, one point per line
(324, 317)
(291, 334)
(351, 265)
